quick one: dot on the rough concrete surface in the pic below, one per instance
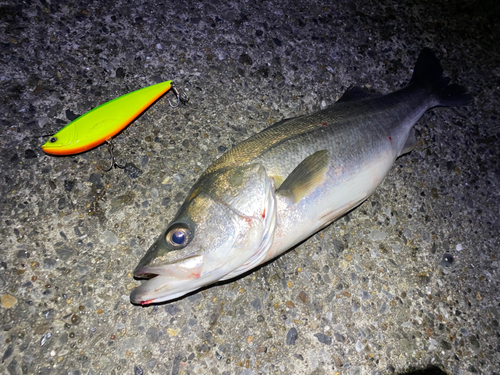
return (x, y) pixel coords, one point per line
(408, 279)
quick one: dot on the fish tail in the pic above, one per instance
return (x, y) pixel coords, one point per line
(429, 73)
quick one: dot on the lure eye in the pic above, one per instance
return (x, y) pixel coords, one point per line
(178, 236)
(52, 139)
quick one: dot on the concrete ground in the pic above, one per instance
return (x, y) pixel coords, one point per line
(408, 279)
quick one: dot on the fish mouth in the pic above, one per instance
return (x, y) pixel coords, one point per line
(169, 281)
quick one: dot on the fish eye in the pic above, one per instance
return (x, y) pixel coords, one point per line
(52, 139)
(178, 236)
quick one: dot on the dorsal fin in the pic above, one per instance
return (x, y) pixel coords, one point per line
(356, 93)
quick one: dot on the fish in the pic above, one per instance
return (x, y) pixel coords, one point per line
(285, 183)
(103, 122)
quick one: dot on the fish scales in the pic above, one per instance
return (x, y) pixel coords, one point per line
(283, 184)
(341, 126)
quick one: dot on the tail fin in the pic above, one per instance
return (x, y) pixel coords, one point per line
(429, 73)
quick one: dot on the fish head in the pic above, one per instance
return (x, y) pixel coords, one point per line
(61, 141)
(225, 227)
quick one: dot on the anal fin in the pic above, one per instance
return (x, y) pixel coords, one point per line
(411, 143)
(308, 175)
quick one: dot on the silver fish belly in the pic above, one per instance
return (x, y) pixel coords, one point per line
(283, 184)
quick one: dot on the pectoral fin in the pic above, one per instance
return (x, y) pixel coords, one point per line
(306, 177)
(278, 181)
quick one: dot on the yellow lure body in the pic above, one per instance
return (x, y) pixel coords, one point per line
(103, 122)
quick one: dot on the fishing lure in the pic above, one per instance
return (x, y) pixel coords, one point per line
(105, 121)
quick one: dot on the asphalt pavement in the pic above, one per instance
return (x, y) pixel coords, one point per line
(408, 279)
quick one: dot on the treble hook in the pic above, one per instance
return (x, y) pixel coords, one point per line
(181, 97)
(114, 163)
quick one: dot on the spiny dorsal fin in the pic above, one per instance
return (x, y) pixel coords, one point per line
(308, 175)
(356, 93)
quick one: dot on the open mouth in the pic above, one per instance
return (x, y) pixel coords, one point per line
(167, 282)
(187, 268)
(159, 289)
